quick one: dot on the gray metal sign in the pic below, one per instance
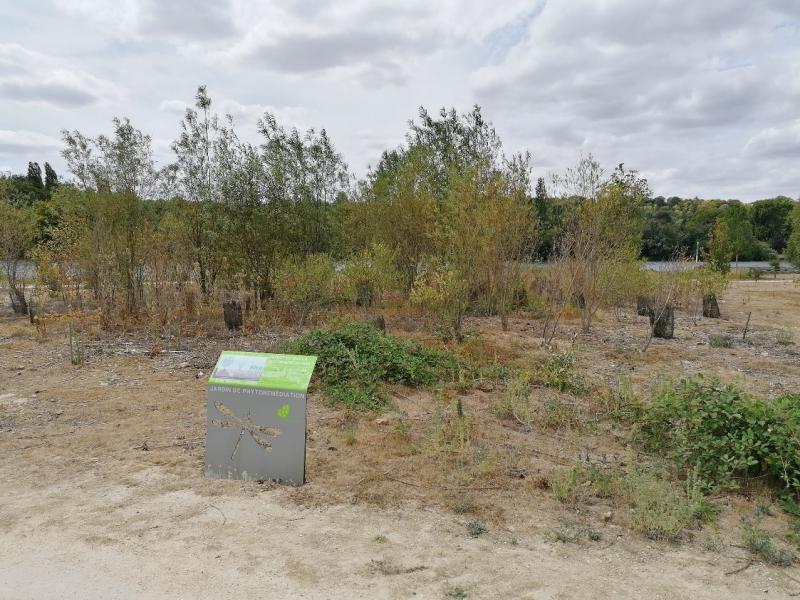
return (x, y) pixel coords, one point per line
(257, 417)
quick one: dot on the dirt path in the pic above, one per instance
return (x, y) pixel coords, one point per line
(86, 539)
(102, 496)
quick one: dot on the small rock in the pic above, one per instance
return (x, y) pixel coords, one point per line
(382, 421)
(607, 516)
(183, 365)
(198, 375)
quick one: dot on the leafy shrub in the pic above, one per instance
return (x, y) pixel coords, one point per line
(355, 359)
(720, 340)
(369, 274)
(515, 404)
(442, 291)
(302, 283)
(724, 433)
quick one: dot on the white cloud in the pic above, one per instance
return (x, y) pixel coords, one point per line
(32, 77)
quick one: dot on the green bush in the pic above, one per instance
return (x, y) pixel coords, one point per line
(302, 283)
(725, 434)
(355, 359)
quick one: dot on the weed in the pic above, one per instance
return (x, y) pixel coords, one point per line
(515, 404)
(784, 338)
(349, 436)
(450, 432)
(661, 509)
(559, 414)
(464, 505)
(621, 403)
(476, 528)
(759, 542)
(355, 359)
(558, 372)
(720, 340)
(380, 539)
(456, 593)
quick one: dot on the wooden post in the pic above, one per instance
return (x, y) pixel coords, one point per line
(746, 325)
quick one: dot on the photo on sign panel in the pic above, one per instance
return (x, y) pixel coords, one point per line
(240, 367)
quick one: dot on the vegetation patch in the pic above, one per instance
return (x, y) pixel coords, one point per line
(355, 360)
(725, 434)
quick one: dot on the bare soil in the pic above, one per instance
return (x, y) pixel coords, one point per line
(102, 493)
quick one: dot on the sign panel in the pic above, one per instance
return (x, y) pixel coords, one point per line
(257, 417)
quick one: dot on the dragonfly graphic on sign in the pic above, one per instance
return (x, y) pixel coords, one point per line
(258, 433)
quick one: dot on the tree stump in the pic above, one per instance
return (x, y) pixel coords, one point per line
(710, 306)
(232, 313)
(642, 306)
(663, 323)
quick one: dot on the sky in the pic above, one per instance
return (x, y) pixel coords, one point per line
(702, 97)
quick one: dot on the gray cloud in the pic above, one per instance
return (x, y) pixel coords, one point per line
(703, 97)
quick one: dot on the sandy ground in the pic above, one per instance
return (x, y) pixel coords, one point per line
(102, 493)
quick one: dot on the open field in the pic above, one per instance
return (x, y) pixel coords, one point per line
(103, 495)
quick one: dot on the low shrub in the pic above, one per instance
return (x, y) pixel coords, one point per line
(355, 360)
(720, 340)
(558, 372)
(759, 542)
(725, 434)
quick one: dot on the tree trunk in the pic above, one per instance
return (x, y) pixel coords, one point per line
(232, 313)
(710, 306)
(663, 323)
(18, 302)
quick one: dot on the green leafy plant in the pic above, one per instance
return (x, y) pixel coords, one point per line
(476, 528)
(355, 360)
(725, 434)
(558, 372)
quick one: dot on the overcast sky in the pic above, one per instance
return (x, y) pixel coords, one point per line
(703, 97)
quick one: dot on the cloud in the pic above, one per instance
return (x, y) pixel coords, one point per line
(775, 142)
(12, 142)
(31, 77)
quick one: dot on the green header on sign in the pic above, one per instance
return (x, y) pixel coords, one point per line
(289, 372)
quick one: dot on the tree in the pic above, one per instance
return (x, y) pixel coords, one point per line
(740, 229)
(771, 221)
(16, 239)
(603, 234)
(50, 179)
(35, 175)
(119, 164)
(793, 243)
(720, 247)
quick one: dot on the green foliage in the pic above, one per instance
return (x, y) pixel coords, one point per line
(302, 283)
(354, 360)
(369, 274)
(456, 593)
(656, 505)
(720, 248)
(662, 509)
(558, 372)
(724, 433)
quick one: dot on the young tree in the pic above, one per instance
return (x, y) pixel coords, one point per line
(793, 243)
(16, 240)
(50, 179)
(603, 234)
(720, 247)
(119, 164)
(35, 175)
